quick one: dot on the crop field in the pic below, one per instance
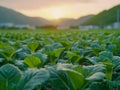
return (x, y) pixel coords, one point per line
(59, 60)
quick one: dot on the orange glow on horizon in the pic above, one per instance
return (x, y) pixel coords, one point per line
(50, 13)
(56, 13)
(56, 9)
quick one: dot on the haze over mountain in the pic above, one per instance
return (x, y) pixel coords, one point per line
(72, 22)
(9, 15)
(83, 19)
(51, 9)
(106, 17)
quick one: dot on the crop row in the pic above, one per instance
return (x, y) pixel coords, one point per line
(59, 61)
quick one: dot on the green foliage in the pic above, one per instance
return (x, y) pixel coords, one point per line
(73, 57)
(7, 52)
(33, 46)
(9, 76)
(104, 18)
(60, 60)
(109, 70)
(96, 76)
(32, 78)
(32, 61)
(43, 58)
(74, 77)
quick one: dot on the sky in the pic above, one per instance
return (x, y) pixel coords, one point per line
(55, 9)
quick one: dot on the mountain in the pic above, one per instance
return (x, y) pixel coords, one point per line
(83, 19)
(12, 16)
(72, 22)
(64, 21)
(104, 18)
(9, 15)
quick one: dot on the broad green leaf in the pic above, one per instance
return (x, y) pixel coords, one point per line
(1, 60)
(3, 45)
(66, 44)
(78, 50)
(109, 70)
(93, 60)
(32, 78)
(33, 46)
(105, 55)
(53, 55)
(48, 41)
(116, 60)
(47, 48)
(41, 56)
(58, 78)
(96, 76)
(96, 47)
(110, 47)
(32, 61)
(9, 76)
(71, 54)
(77, 79)
(58, 51)
(73, 57)
(7, 52)
(57, 45)
(92, 69)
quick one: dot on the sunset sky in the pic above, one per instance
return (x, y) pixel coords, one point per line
(54, 9)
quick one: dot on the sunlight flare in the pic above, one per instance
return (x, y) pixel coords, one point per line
(56, 13)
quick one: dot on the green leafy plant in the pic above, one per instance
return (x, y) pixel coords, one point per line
(33, 46)
(11, 78)
(7, 52)
(32, 61)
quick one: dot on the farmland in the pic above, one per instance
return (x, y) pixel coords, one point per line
(59, 60)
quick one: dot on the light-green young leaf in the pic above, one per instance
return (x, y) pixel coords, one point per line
(7, 52)
(33, 46)
(32, 61)
(76, 78)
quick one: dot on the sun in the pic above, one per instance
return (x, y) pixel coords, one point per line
(56, 13)
(56, 16)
